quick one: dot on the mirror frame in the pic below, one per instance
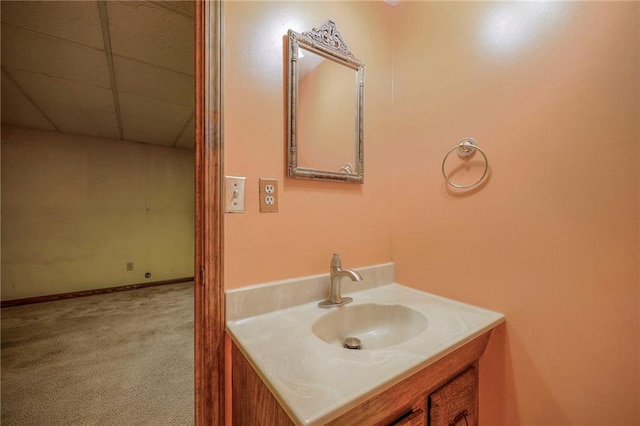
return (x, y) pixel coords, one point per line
(327, 42)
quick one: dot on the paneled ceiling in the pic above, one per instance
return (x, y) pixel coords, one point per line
(113, 69)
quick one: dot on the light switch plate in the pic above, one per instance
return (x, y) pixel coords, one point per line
(268, 195)
(234, 194)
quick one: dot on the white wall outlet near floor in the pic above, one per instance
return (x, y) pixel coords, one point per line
(234, 194)
(268, 195)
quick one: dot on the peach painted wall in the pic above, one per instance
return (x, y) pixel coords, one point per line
(315, 219)
(551, 92)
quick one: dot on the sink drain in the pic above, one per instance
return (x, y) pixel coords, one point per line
(352, 343)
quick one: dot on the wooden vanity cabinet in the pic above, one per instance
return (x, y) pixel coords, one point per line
(412, 418)
(443, 394)
(456, 403)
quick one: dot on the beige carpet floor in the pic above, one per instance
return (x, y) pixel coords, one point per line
(124, 358)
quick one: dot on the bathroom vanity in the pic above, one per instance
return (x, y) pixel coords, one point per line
(442, 394)
(417, 364)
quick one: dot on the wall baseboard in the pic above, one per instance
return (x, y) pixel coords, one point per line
(83, 293)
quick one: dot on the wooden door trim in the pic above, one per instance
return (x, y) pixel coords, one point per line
(209, 286)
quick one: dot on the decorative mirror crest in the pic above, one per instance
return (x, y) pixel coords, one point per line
(325, 105)
(329, 36)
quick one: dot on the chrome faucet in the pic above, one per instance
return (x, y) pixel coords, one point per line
(336, 274)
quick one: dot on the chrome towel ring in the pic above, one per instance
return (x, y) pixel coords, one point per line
(466, 148)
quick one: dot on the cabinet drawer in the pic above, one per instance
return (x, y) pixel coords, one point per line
(456, 403)
(414, 418)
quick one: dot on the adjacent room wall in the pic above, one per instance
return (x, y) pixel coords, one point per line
(315, 219)
(550, 91)
(76, 209)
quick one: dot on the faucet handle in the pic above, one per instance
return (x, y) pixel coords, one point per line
(336, 263)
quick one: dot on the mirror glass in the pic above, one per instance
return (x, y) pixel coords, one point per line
(325, 107)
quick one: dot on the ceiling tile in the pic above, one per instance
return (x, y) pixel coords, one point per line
(29, 51)
(140, 106)
(165, 39)
(90, 122)
(54, 51)
(156, 132)
(153, 82)
(50, 92)
(77, 21)
(187, 139)
(18, 111)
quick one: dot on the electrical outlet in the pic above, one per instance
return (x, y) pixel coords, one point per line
(129, 266)
(268, 195)
(234, 194)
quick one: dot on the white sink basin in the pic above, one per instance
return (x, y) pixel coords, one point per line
(375, 325)
(298, 351)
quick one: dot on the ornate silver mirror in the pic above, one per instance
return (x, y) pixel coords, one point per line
(326, 85)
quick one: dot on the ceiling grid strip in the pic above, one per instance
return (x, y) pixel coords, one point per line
(30, 99)
(184, 129)
(49, 36)
(104, 22)
(160, 67)
(166, 5)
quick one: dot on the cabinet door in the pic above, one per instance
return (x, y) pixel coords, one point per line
(456, 403)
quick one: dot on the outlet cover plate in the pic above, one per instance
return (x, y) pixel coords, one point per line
(268, 195)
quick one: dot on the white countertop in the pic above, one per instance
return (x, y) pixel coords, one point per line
(316, 382)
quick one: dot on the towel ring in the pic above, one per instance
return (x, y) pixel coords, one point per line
(466, 148)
